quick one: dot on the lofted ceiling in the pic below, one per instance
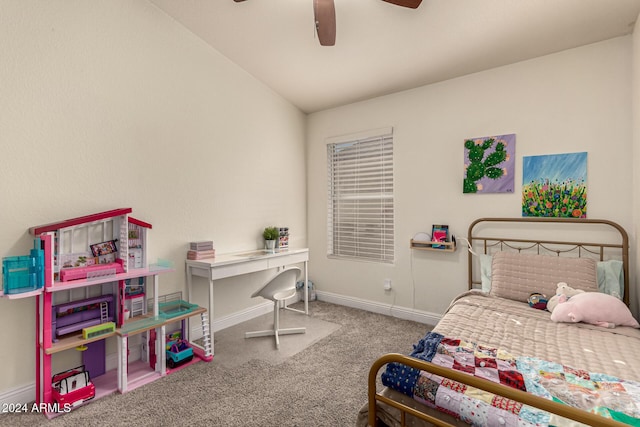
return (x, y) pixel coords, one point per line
(382, 48)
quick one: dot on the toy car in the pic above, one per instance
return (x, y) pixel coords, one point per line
(72, 387)
(178, 352)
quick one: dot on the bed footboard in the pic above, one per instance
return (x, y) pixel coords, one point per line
(491, 387)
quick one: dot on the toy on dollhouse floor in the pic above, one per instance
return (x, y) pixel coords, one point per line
(72, 387)
(179, 351)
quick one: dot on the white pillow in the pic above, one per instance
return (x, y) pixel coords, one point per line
(611, 278)
(485, 271)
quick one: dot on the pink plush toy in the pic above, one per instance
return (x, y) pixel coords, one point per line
(595, 308)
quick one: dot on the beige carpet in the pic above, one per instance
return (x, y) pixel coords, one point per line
(323, 383)
(232, 349)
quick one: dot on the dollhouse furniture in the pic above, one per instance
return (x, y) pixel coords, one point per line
(278, 289)
(77, 315)
(73, 387)
(23, 274)
(235, 264)
(96, 270)
(135, 304)
(66, 321)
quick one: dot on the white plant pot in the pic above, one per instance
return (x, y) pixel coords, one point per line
(270, 245)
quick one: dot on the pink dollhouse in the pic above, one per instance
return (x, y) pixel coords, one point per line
(97, 285)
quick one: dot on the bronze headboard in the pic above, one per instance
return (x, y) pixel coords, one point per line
(615, 247)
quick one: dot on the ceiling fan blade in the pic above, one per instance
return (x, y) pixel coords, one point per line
(413, 4)
(324, 12)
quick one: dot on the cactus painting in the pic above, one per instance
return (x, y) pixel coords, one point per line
(489, 163)
(555, 185)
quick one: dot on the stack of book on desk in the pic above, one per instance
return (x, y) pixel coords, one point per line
(200, 250)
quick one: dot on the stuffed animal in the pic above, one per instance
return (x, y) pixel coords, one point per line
(562, 289)
(595, 308)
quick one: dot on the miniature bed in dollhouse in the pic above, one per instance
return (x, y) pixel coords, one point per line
(495, 360)
(74, 316)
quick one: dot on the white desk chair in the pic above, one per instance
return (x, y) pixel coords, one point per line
(281, 287)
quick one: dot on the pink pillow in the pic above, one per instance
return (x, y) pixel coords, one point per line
(595, 308)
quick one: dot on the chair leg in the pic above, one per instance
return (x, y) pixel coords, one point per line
(266, 332)
(276, 331)
(290, 331)
(276, 323)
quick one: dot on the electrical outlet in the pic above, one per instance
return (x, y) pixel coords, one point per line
(387, 284)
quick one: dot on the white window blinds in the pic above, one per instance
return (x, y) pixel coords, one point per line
(360, 214)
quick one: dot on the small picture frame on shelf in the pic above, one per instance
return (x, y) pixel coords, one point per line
(104, 248)
(283, 237)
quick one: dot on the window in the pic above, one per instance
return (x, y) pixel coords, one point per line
(360, 215)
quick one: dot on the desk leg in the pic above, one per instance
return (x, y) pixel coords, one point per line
(211, 315)
(209, 309)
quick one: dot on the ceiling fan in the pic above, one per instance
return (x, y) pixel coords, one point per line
(324, 12)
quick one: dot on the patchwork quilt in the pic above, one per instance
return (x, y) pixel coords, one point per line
(611, 397)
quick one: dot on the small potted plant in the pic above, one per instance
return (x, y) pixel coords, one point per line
(270, 235)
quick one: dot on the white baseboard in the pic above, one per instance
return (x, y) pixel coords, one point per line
(377, 307)
(19, 395)
(232, 319)
(27, 393)
(242, 316)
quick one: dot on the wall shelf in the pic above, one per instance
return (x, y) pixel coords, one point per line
(428, 246)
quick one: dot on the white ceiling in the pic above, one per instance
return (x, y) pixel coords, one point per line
(381, 48)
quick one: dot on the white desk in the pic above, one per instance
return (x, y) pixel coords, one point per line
(235, 264)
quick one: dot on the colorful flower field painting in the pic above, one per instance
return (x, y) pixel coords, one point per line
(555, 185)
(489, 164)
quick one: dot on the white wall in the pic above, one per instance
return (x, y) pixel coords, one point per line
(573, 101)
(114, 104)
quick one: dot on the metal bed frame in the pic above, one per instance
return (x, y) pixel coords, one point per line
(479, 238)
(599, 251)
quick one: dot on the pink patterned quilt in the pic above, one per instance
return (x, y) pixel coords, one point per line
(611, 397)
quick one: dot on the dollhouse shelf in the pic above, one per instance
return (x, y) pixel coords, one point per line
(72, 341)
(428, 246)
(132, 326)
(143, 323)
(22, 294)
(81, 283)
(131, 274)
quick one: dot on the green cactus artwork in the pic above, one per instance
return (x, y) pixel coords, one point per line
(487, 164)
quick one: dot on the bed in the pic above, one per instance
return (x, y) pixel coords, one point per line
(493, 359)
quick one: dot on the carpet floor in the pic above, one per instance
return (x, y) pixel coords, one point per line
(315, 379)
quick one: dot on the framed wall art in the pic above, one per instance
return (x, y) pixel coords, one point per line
(555, 185)
(489, 164)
